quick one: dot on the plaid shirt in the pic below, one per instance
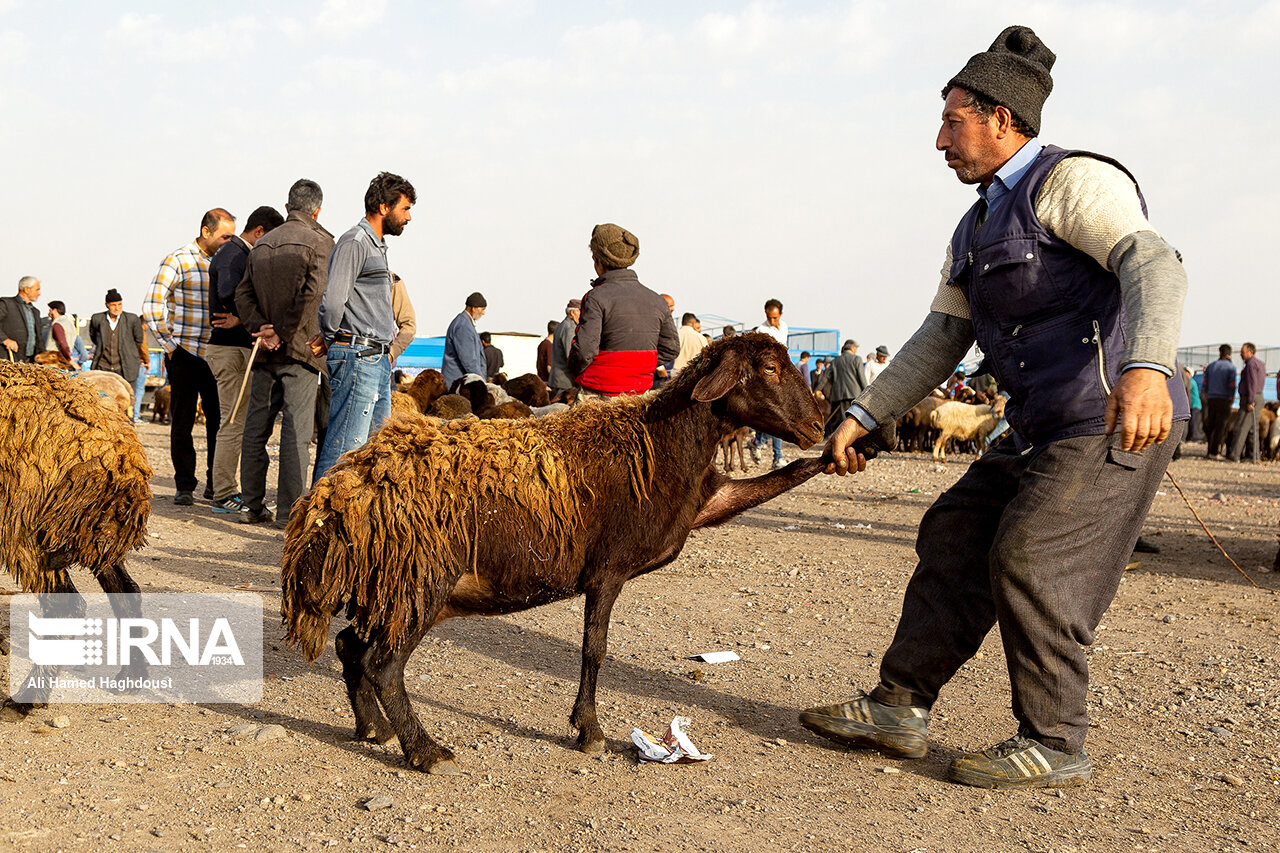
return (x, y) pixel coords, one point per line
(177, 305)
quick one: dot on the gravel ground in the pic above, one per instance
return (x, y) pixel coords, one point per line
(1184, 704)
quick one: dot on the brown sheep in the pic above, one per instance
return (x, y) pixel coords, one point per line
(160, 404)
(74, 486)
(426, 387)
(450, 407)
(529, 389)
(915, 431)
(54, 358)
(432, 520)
(735, 442)
(508, 411)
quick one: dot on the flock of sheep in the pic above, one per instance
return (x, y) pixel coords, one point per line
(432, 518)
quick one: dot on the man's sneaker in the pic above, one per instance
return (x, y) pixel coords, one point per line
(231, 503)
(183, 499)
(248, 516)
(899, 732)
(755, 454)
(1021, 762)
(777, 463)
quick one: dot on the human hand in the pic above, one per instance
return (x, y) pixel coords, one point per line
(266, 334)
(1249, 408)
(223, 320)
(317, 345)
(11, 345)
(1140, 405)
(839, 450)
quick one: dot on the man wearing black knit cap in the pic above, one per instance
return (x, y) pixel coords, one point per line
(1076, 302)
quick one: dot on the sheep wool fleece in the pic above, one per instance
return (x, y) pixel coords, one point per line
(74, 479)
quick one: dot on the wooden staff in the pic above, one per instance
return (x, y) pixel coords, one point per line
(243, 382)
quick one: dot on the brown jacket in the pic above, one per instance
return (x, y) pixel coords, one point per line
(283, 285)
(406, 320)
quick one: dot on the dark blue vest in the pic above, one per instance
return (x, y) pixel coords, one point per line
(1049, 318)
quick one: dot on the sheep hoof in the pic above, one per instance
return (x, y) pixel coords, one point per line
(592, 747)
(379, 733)
(445, 768)
(12, 712)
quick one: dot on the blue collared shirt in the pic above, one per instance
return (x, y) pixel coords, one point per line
(1008, 175)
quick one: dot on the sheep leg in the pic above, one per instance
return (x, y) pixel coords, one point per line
(595, 642)
(126, 604)
(371, 723)
(387, 669)
(734, 496)
(55, 568)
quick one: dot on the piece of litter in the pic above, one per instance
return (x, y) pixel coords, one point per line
(674, 747)
(248, 587)
(790, 527)
(839, 526)
(862, 526)
(715, 657)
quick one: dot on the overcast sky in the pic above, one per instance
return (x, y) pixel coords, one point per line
(756, 149)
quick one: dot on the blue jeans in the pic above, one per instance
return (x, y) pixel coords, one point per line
(381, 409)
(357, 383)
(139, 388)
(762, 437)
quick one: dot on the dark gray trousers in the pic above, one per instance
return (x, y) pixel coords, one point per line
(1037, 544)
(1246, 425)
(278, 388)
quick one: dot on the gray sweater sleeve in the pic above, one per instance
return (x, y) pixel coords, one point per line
(1153, 284)
(923, 363)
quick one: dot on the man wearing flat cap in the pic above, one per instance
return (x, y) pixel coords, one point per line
(1076, 302)
(626, 329)
(463, 351)
(117, 338)
(561, 344)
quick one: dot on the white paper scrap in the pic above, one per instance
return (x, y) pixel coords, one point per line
(675, 746)
(716, 657)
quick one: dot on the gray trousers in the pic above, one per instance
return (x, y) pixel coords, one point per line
(288, 389)
(1037, 544)
(1246, 425)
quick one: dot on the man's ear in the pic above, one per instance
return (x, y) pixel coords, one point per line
(721, 379)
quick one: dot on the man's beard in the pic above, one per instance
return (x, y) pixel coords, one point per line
(394, 227)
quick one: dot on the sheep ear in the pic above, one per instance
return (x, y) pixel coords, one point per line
(721, 379)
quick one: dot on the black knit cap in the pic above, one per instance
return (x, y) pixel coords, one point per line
(1013, 72)
(476, 300)
(113, 295)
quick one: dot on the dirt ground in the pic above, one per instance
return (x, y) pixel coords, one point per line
(1184, 704)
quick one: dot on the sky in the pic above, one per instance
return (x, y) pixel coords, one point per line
(758, 150)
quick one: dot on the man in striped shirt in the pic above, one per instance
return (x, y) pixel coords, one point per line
(176, 311)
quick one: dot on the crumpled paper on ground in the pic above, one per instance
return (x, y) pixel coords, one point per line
(674, 747)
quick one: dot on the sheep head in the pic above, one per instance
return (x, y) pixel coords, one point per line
(751, 376)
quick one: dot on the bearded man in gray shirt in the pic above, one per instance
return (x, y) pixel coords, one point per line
(357, 323)
(1076, 302)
